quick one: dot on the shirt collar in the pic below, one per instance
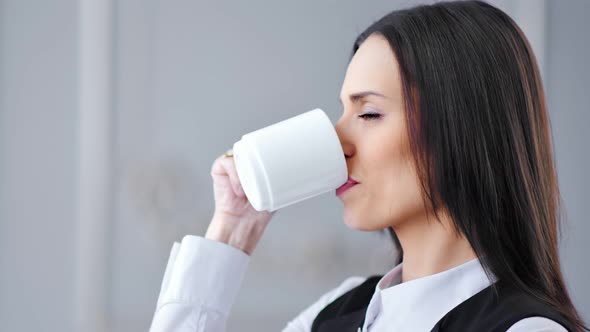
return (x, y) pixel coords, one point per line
(417, 305)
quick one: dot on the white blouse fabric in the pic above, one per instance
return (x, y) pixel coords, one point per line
(203, 277)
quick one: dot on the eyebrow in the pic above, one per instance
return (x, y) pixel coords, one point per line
(358, 95)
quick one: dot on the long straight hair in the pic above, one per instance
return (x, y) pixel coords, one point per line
(479, 134)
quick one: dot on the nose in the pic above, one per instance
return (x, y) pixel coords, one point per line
(345, 139)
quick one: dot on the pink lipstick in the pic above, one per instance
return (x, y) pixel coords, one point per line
(349, 184)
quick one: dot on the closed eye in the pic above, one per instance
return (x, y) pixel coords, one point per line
(369, 116)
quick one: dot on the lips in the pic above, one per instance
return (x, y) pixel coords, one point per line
(349, 183)
(351, 180)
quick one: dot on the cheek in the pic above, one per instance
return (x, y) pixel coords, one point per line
(391, 197)
(401, 198)
(395, 189)
(390, 192)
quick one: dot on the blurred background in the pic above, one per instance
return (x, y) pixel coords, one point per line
(112, 112)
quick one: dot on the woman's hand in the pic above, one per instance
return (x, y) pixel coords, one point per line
(235, 221)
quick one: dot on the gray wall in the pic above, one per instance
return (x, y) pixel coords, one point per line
(189, 79)
(37, 164)
(567, 86)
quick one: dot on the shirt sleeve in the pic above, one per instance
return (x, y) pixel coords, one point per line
(200, 284)
(536, 324)
(303, 321)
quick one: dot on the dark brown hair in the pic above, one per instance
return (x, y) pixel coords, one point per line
(479, 133)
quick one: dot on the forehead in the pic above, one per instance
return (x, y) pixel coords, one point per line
(373, 67)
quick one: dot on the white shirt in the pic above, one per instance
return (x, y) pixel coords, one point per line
(203, 277)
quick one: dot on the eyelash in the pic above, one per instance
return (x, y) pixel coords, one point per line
(369, 116)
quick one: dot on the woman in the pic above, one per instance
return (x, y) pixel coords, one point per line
(446, 131)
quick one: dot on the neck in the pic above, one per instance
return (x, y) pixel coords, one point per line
(431, 247)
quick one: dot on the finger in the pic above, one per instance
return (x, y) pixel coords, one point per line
(217, 167)
(233, 174)
(220, 174)
(230, 168)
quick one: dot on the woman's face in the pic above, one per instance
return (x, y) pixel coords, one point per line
(376, 149)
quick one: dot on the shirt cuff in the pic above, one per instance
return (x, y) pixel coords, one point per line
(206, 273)
(167, 273)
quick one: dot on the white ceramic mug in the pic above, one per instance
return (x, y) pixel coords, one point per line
(290, 161)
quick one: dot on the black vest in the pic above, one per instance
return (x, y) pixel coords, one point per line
(485, 311)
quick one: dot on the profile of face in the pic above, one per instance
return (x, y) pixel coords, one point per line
(376, 146)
